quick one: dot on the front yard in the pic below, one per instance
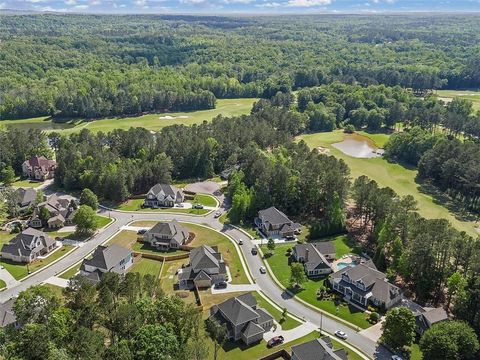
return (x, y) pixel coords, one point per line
(19, 271)
(278, 262)
(136, 205)
(287, 324)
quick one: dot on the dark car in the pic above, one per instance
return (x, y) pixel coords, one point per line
(276, 340)
(254, 251)
(198, 206)
(141, 231)
(221, 285)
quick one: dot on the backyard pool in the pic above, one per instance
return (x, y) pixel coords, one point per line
(342, 265)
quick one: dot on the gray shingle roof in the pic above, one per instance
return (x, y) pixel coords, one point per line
(203, 257)
(316, 258)
(24, 243)
(26, 196)
(7, 316)
(171, 229)
(252, 329)
(274, 216)
(318, 349)
(435, 315)
(106, 258)
(238, 310)
(167, 189)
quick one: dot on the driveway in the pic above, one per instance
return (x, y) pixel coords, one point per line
(8, 278)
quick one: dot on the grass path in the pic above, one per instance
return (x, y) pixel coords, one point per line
(153, 122)
(395, 176)
(448, 95)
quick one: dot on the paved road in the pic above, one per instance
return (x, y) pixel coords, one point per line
(264, 281)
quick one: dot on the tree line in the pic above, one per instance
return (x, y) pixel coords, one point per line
(89, 66)
(120, 318)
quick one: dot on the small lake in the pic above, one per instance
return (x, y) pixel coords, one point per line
(358, 146)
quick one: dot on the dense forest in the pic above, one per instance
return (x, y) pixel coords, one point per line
(96, 66)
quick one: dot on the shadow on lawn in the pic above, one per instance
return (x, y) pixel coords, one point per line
(232, 345)
(456, 207)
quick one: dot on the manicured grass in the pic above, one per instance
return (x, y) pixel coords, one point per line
(395, 176)
(289, 322)
(449, 95)
(279, 264)
(380, 139)
(25, 183)
(135, 205)
(19, 271)
(207, 236)
(60, 234)
(70, 272)
(240, 351)
(350, 354)
(128, 239)
(205, 200)
(343, 245)
(154, 122)
(102, 221)
(415, 354)
(168, 279)
(248, 228)
(5, 237)
(2, 284)
(57, 290)
(146, 266)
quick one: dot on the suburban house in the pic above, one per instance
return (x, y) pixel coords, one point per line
(318, 349)
(28, 246)
(25, 198)
(315, 257)
(363, 284)
(39, 168)
(425, 317)
(7, 315)
(206, 268)
(244, 321)
(225, 174)
(105, 259)
(163, 195)
(167, 235)
(60, 212)
(273, 223)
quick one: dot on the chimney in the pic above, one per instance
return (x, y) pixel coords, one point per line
(306, 254)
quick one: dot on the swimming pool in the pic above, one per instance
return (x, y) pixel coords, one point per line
(342, 265)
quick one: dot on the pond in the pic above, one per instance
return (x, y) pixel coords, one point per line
(358, 146)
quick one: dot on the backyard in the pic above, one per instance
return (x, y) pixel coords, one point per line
(278, 263)
(287, 324)
(395, 176)
(152, 122)
(146, 266)
(19, 270)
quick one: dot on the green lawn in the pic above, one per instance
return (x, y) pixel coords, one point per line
(415, 354)
(70, 272)
(380, 139)
(2, 284)
(135, 205)
(19, 271)
(289, 322)
(146, 266)
(26, 183)
(248, 228)
(102, 221)
(5, 237)
(395, 176)
(448, 95)
(205, 200)
(342, 243)
(154, 122)
(279, 264)
(55, 234)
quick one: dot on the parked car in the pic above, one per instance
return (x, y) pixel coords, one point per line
(141, 231)
(396, 357)
(276, 340)
(341, 334)
(198, 206)
(217, 214)
(240, 242)
(180, 205)
(263, 270)
(254, 251)
(220, 285)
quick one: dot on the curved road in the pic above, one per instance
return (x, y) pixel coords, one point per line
(265, 282)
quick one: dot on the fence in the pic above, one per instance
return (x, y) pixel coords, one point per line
(161, 257)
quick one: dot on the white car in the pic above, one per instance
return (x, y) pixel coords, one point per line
(263, 270)
(341, 334)
(396, 357)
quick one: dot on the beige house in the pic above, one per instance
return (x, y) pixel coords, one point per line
(28, 246)
(39, 168)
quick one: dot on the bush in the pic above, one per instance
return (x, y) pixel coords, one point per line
(349, 129)
(374, 317)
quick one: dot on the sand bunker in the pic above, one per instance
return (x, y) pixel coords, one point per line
(168, 117)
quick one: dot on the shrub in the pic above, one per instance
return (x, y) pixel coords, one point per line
(374, 317)
(349, 129)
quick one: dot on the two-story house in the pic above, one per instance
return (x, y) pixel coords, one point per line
(105, 259)
(315, 257)
(206, 268)
(163, 195)
(243, 319)
(318, 349)
(28, 246)
(363, 284)
(26, 198)
(167, 235)
(39, 168)
(274, 223)
(60, 211)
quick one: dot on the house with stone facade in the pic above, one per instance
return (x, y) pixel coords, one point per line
(39, 168)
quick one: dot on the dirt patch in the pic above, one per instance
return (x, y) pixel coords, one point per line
(168, 117)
